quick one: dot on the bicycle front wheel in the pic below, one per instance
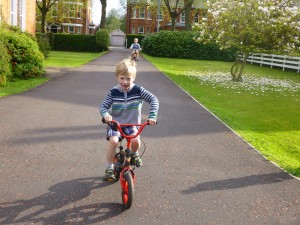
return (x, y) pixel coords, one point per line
(127, 190)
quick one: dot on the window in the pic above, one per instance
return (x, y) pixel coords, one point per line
(53, 28)
(182, 17)
(149, 14)
(23, 14)
(78, 30)
(79, 12)
(141, 30)
(148, 30)
(71, 29)
(142, 13)
(71, 13)
(13, 13)
(134, 13)
(160, 16)
(133, 30)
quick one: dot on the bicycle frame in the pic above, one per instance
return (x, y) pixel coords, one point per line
(134, 54)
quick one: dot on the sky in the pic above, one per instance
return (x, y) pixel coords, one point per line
(96, 10)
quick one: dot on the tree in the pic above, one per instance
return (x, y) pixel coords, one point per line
(269, 26)
(173, 10)
(113, 21)
(44, 6)
(176, 7)
(103, 14)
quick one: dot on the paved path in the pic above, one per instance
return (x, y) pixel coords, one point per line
(196, 171)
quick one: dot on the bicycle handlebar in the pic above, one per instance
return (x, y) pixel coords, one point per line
(118, 127)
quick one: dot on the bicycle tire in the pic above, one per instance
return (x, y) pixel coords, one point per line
(127, 190)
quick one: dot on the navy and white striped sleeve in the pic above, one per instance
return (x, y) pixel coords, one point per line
(105, 105)
(152, 100)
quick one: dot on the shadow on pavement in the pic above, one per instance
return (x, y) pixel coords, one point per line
(58, 206)
(234, 183)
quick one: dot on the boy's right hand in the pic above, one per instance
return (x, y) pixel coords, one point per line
(152, 122)
(108, 118)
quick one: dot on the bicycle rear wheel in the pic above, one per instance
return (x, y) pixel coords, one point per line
(127, 190)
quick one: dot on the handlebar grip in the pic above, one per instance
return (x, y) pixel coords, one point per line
(113, 125)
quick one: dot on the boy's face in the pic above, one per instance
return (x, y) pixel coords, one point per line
(125, 82)
(135, 40)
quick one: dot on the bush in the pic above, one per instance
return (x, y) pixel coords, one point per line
(5, 66)
(43, 42)
(73, 42)
(26, 59)
(102, 39)
(181, 44)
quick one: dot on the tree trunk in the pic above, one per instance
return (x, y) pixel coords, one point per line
(188, 6)
(237, 68)
(173, 19)
(44, 22)
(103, 14)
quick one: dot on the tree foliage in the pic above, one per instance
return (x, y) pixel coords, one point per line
(269, 26)
(113, 20)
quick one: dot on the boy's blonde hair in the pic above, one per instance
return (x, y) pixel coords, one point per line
(126, 67)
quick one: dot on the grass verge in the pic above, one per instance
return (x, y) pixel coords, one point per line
(19, 86)
(263, 109)
(71, 59)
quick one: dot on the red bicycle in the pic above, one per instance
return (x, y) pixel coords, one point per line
(125, 163)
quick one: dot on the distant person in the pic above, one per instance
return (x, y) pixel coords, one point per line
(135, 47)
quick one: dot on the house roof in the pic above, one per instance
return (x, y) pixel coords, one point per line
(117, 32)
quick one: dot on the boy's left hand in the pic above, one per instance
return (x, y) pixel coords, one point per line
(152, 121)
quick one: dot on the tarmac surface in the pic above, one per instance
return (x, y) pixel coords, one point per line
(195, 169)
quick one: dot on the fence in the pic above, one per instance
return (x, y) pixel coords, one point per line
(275, 60)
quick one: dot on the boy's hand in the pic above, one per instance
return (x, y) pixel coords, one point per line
(152, 122)
(108, 118)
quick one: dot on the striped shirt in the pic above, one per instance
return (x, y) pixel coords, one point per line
(125, 107)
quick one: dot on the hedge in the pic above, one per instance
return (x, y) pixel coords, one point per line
(73, 42)
(181, 44)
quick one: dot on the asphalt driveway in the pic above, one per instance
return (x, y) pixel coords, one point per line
(195, 169)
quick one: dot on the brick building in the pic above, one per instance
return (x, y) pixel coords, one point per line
(19, 13)
(143, 19)
(72, 17)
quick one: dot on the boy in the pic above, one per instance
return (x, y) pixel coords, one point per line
(135, 47)
(123, 103)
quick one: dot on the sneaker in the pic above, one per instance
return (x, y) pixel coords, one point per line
(109, 175)
(138, 161)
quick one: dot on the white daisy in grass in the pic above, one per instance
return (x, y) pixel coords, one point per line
(250, 82)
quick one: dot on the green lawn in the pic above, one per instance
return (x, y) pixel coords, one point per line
(55, 59)
(19, 86)
(70, 59)
(264, 109)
